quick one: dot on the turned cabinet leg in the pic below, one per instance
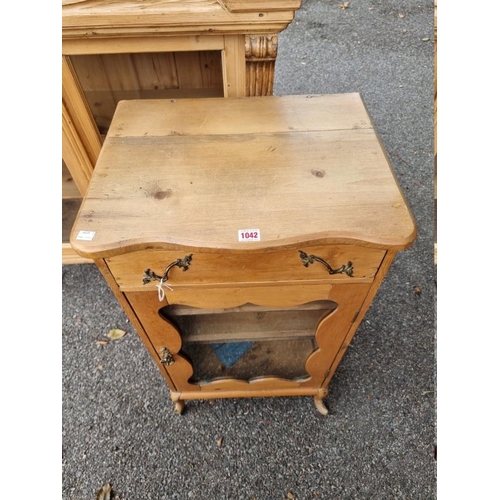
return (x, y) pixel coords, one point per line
(320, 405)
(260, 56)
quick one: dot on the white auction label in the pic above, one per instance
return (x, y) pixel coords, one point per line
(248, 234)
(85, 235)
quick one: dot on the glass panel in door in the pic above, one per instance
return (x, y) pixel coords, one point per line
(248, 341)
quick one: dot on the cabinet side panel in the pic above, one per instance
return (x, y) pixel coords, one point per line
(386, 264)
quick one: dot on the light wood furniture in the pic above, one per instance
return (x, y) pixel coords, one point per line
(182, 187)
(115, 50)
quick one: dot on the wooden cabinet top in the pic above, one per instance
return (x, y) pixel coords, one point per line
(94, 18)
(194, 173)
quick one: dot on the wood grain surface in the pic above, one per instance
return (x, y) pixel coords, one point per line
(190, 174)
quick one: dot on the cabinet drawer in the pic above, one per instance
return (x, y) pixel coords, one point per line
(325, 263)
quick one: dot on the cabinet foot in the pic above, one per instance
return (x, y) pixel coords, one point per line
(179, 403)
(179, 407)
(320, 405)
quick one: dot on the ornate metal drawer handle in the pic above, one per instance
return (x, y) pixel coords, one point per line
(152, 276)
(309, 259)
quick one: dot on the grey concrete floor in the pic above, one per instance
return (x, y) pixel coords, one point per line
(378, 441)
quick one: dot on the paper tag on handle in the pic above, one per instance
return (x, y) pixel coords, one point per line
(248, 234)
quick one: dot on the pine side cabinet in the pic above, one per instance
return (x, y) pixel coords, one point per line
(245, 238)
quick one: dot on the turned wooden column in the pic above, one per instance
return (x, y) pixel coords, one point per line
(260, 56)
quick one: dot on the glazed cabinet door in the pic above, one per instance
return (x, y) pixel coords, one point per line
(248, 339)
